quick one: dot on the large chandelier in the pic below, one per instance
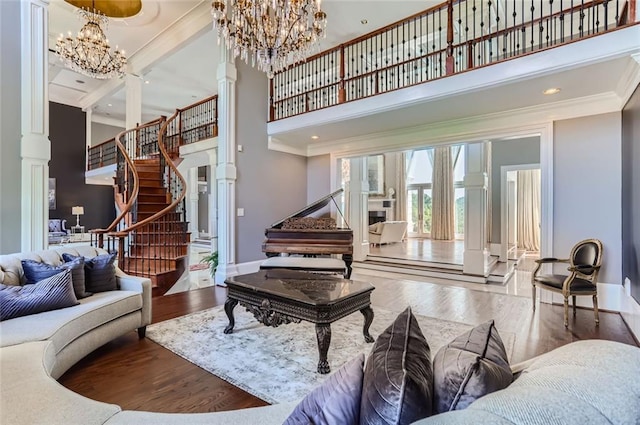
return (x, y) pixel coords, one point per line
(272, 33)
(89, 52)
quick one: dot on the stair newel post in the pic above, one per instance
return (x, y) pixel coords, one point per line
(180, 138)
(121, 249)
(449, 61)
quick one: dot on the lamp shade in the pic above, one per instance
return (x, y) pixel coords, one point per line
(77, 210)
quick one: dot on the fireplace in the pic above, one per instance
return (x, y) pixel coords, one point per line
(377, 216)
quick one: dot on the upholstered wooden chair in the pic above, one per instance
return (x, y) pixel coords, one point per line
(584, 264)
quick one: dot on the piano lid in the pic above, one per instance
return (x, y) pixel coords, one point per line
(311, 208)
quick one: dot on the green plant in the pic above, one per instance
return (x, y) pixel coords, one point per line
(212, 260)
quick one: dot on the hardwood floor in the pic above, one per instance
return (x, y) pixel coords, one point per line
(141, 375)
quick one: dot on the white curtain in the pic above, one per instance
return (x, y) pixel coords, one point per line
(529, 210)
(443, 201)
(402, 163)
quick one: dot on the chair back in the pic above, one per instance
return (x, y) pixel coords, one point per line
(588, 253)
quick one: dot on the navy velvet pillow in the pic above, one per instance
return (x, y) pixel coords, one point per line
(469, 367)
(52, 293)
(99, 272)
(336, 401)
(35, 271)
(398, 380)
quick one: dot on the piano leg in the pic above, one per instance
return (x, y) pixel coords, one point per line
(229, 305)
(348, 259)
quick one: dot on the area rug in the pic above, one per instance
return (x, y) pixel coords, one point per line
(279, 364)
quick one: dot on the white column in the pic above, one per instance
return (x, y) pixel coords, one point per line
(213, 200)
(192, 201)
(133, 106)
(358, 207)
(35, 147)
(226, 168)
(475, 211)
(88, 136)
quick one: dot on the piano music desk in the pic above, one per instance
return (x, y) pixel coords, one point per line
(281, 296)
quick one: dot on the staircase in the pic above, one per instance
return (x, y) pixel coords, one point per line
(150, 233)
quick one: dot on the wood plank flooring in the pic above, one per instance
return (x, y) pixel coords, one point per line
(141, 375)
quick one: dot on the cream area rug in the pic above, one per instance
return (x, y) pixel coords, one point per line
(279, 364)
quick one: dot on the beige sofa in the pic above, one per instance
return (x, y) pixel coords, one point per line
(387, 232)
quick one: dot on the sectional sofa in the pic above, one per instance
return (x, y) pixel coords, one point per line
(585, 382)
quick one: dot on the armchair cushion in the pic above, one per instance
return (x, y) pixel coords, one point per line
(556, 281)
(57, 225)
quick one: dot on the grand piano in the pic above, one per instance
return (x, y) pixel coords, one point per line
(308, 236)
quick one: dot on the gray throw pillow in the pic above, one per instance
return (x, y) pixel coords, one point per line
(398, 380)
(336, 401)
(99, 272)
(35, 271)
(52, 293)
(469, 367)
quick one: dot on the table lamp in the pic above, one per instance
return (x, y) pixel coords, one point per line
(77, 211)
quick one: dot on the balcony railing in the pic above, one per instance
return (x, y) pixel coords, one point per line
(453, 37)
(194, 123)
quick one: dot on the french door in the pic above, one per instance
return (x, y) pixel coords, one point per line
(419, 211)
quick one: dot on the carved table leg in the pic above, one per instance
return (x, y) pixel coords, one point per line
(367, 312)
(323, 334)
(229, 305)
(348, 260)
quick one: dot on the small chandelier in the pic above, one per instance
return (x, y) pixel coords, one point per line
(89, 52)
(273, 33)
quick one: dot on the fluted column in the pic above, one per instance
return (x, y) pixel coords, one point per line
(226, 168)
(358, 207)
(475, 211)
(35, 147)
(192, 201)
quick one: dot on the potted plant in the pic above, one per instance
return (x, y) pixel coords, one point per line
(212, 261)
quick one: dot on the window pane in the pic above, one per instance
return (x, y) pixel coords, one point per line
(459, 208)
(419, 170)
(412, 209)
(458, 171)
(426, 200)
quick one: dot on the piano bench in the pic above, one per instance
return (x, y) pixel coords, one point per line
(326, 265)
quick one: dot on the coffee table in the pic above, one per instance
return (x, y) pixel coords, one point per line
(281, 296)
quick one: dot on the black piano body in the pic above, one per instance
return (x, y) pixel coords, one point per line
(299, 234)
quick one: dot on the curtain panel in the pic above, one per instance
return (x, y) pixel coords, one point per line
(528, 206)
(443, 202)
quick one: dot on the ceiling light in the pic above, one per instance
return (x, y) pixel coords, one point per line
(79, 81)
(315, 137)
(146, 81)
(364, 21)
(272, 33)
(89, 52)
(108, 104)
(553, 90)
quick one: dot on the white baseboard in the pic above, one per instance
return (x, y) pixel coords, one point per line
(250, 267)
(494, 249)
(612, 297)
(236, 269)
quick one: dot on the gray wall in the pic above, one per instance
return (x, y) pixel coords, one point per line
(631, 193)
(271, 185)
(103, 132)
(318, 177)
(587, 188)
(508, 152)
(67, 134)
(10, 162)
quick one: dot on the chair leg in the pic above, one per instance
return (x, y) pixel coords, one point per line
(533, 294)
(566, 312)
(574, 306)
(595, 309)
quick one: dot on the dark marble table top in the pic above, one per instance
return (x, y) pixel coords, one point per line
(305, 287)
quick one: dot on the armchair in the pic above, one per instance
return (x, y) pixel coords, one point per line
(584, 264)
(57, 230)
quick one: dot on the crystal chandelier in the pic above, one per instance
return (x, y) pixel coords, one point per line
(89, 52)
(273, 33)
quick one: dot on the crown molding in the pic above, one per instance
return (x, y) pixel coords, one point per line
(276, 145)
(629, 80)
(101, 119)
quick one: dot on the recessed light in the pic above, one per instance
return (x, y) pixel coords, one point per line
(364, 21)
(79, 81)
(553, 90)
(315, 137)
(108, 104)
(146, 81)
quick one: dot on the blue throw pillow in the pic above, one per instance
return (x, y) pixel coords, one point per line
(35, 271)
(336, 401)
(99, 272)
(52, 293)
(398, 379)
